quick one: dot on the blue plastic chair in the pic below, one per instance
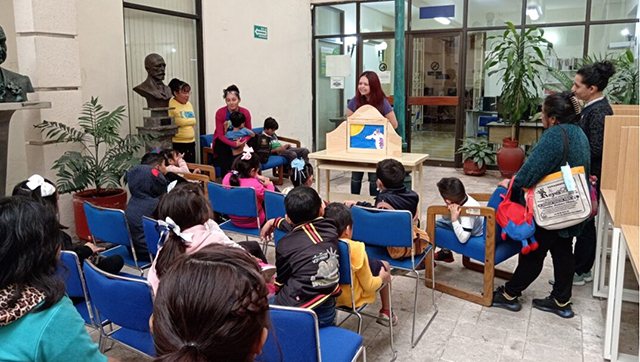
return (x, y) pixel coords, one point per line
(489, 248)
(298, 337)
(379, 229)
(110, 226)
(237, 201)
(152, 233)
(274, 207)
(76, 286)
(346, 278)
(125, 301)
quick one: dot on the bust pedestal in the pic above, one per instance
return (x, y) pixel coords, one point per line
(6, 111)
(161, 125)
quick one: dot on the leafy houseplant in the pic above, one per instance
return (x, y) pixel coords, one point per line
(476, 156)
(98, 171)
(519, 61)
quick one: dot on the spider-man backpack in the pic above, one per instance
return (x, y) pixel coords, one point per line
(516, 222)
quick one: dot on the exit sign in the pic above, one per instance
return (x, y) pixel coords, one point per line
(260, 32)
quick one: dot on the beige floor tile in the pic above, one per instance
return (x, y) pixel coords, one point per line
(461, 349)
(544, 352)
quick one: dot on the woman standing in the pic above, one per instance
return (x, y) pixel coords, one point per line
(369, 91)
(221, 144)
(185, 140)
(588, 86)
(560, 116)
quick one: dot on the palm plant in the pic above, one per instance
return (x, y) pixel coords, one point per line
(94, 167)
(518, 58)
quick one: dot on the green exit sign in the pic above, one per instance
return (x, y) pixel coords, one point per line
(260, 32)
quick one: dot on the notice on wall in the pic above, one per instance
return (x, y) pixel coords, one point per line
(338, 65)
(337, 82)
(385, 77)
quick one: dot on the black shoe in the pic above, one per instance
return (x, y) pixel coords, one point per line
(549, 304)
(444, 255)
(500, 300)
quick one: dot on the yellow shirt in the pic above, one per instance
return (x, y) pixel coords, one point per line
(365, 284)
(185, 119)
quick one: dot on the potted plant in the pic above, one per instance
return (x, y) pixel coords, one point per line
(519, 61)
(476, 155)
(96, 173)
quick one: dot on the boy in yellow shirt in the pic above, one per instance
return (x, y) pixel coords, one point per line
(368, 275)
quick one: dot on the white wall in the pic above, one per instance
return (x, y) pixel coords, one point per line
(274, 75)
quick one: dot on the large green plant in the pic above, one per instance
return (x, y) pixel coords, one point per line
(519, 59)
(479, 152)
(618, 90)
(105, 156)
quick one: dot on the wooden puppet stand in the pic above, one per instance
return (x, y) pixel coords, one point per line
(348, 150)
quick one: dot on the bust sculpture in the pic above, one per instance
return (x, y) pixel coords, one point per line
(153, 88)
(13, 86)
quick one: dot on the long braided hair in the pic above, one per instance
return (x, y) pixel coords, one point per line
(211, 306)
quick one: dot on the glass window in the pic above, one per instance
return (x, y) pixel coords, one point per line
(494, 12)
(183, 6)
(335, 19)
(568, 46)
(331, 103)
(379, 16)
(378, 55)
(544, 12)
(437, 15)
(174, 39)
(614, 9)
(613, 38)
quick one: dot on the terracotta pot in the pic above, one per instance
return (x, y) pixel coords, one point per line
(510, 158)
(471, 168)
(114, 199)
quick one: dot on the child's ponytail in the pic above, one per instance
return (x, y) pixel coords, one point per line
(243, 165)
(300, 172)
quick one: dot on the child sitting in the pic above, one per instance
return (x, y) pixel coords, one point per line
(367, 274)
(452, 191)
(244, 172)
(307, 256)
(270, 128)
(156, 160)
(211, 306)
(174, 162)
(301, 174)
(237, 131)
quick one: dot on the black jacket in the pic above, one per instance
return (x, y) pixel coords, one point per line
(399, 199)
(592, 123)
(307, 263)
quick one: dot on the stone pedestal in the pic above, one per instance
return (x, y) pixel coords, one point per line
(162, 126)
(6, 111)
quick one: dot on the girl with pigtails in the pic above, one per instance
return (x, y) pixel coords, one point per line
(244, 172)
(301, 174)
(186, 214)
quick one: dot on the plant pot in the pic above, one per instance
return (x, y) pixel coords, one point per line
(471, 168)
(113, 198)
(510, 158)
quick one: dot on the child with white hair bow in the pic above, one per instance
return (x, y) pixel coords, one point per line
(244, 172)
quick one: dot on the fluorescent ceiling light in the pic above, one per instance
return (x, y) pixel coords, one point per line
(534, 12)
(625, 32)
(443, 21)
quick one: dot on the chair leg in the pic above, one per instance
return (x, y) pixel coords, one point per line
(414, 342)
(393, 348)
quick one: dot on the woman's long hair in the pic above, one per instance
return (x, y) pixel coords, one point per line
(211, 306)
(30, 241)
(376, 95)
(187, 207)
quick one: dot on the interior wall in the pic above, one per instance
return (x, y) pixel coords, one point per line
(273, 75)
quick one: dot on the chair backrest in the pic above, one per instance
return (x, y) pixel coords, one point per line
(257, 130)
(344, 260)
(274, 204)
(382, 227)
(494, 202)
(296, 336)
(233, 200)
(108, 225)
(484, 120)
(73, 277)
(206, 140)
(127, 302)
(151, 234)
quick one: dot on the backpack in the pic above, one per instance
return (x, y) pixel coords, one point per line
(517, 222)
(262, 147)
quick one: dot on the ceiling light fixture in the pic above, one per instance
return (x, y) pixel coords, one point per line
(534, 12)
(443, 21)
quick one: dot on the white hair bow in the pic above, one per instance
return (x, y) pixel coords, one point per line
(171, 185)
(170, 225)
(246, 152)
(46, 189)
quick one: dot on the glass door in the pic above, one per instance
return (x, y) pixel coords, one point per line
(434, 122)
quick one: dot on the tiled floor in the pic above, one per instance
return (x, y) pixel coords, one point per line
(463, 331)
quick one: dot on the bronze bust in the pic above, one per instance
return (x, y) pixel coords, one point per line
(13, 86)
(153, 88)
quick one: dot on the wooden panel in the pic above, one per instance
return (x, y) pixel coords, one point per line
(429, 101)
(627, 112)
(528, 135)
(631, 236)
(617, 107)
(609, 198)
(611, 148)
(627, 204)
